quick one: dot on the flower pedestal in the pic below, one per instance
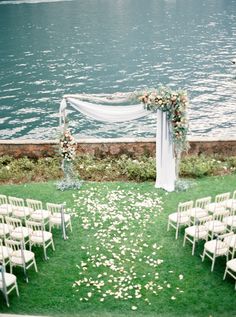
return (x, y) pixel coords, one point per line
(69, 181)
(68, 153)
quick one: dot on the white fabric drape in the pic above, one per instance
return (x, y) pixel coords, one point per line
(165, 160)
(108, 113)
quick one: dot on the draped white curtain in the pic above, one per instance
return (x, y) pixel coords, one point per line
(90, 105)
(108, 113)
(165, 159)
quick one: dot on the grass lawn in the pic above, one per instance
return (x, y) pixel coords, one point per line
(120, 260)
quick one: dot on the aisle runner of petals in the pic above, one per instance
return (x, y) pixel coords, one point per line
(119, 259)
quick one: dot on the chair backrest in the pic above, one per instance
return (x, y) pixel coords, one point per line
(14, 222)
(233, 204)
(34, 204)
(3, 254)
(203, 220)
(16, 202)
(219, 215)
(221, 245)
(222, 197)
(230, 239)
(13, 244)
(38, 227)
(3, 200)
(203, 202)
(226, 238)
(54, 208)
(185, 207)
(234, 195)
(34, 225)
(2, 226)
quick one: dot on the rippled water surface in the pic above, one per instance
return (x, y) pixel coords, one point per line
(51, 48)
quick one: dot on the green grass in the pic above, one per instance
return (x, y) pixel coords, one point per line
(50, 291)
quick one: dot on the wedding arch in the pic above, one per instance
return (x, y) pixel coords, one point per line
(172, 124)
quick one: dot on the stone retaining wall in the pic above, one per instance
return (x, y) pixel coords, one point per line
(114, 147)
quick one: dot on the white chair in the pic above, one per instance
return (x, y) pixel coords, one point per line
(21, 257)
(19, 210)
(219, 203)
(215, 248)
(4, 228)
(197, 232)
(5, 253)
(5, 207)
(38, 213)
(7, 284)
(231, 203)
(230, 220)
(216, 226)
(40, 237)
(231, 242)
(181, 217)
(231, 269)
(200, 209)
(17, 230)
(57, 214)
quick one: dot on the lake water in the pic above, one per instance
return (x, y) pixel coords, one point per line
(51, 48)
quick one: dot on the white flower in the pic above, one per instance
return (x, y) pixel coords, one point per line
(134, 307)
(181, 276)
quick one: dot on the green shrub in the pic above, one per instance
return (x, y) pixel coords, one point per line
(138, 170)
(89, 167)
(199, 166)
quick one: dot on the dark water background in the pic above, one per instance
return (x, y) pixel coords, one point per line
(51, 48)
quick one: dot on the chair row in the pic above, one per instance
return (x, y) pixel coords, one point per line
(222, 210)
(16, 233)
(214, 221)
(33, 210)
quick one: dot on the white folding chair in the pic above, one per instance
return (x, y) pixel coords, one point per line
(40, 237)
(4, 228)
(215, 248)
(231, 242)
(230, 220)
(5, 207)
(231, 203)
(58, 216)
(38, 213)
(219, 204)
(21, 257)
(19, 210)
(181, 217)
(216, 226)
(197, 232)
(7, 284)
(5, 253)
(17, 230)
(231, 270)
(200, 209)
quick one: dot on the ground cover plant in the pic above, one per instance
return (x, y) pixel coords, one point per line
(120, 260)
(124, 168)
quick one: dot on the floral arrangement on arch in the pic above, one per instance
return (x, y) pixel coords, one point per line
(175, 104)
(67, 146)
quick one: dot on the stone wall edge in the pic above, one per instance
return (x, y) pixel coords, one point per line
(114, 147)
